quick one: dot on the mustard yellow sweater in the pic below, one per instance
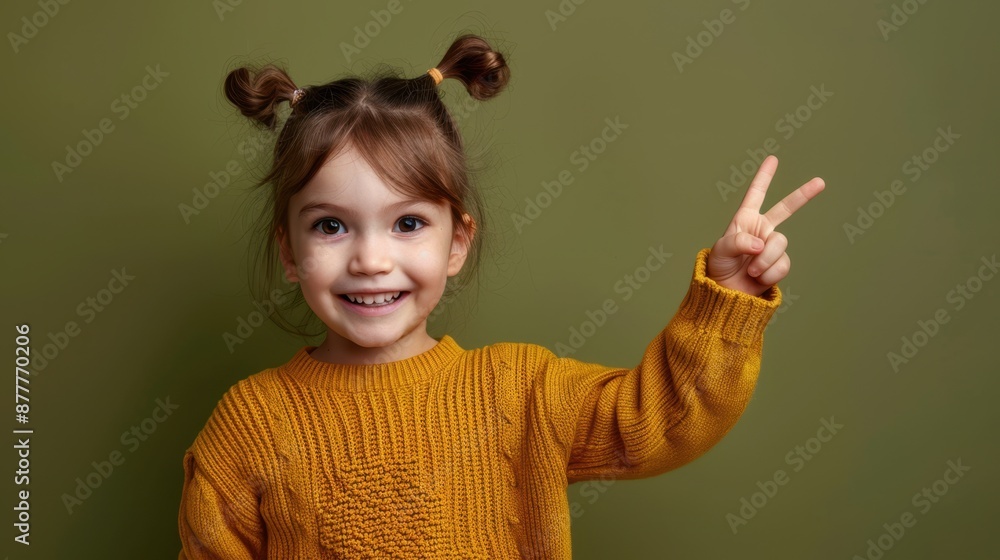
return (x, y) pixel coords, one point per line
(458, 453)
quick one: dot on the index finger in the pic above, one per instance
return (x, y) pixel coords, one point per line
(754, 197)
(797, 199)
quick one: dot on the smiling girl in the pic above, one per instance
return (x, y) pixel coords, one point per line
(385, 442)
(379, 261)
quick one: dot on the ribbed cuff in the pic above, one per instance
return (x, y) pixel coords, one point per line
(735, 315)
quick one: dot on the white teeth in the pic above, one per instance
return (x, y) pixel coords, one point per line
(370, 299)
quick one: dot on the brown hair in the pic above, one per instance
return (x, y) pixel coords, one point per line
(399, 125)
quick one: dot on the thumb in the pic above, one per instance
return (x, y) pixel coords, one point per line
(737, 244)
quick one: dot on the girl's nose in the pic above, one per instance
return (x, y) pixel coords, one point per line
(371, 255)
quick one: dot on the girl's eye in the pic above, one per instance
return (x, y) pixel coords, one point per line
(335, 226)
(408, 224)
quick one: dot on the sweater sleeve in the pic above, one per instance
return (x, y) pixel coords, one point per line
(219, 512)
(690, 387)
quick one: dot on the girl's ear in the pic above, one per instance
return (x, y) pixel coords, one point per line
(287, 260)
(460, 244)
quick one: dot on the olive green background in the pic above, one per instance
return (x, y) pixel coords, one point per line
(848, 301)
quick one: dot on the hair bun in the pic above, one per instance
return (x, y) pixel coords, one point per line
(471, 60)
(256, 92)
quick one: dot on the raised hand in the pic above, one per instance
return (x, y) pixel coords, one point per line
(750, 256)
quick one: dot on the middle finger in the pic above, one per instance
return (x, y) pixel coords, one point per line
(797, 199)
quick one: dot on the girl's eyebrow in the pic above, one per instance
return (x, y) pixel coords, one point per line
(330, 207)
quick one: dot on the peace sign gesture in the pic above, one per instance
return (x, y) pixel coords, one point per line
(751, 256)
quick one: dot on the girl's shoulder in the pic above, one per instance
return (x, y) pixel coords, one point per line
(520, 358)
(238, 430)
(509, 349)
(246, 400)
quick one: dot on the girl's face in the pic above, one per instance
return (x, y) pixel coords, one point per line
(351, 237)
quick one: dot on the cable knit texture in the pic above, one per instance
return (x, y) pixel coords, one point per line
(458, 453)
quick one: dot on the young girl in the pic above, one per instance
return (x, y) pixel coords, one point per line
(385, 442)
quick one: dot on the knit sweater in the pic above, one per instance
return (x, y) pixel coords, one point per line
(457, 453)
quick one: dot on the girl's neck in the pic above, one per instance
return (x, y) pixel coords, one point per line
(336, 349)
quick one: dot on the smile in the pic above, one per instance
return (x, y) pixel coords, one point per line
(372, 299)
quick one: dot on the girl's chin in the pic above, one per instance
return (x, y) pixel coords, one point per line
(375, 342)
(375, 339)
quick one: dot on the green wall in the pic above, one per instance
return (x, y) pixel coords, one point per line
(852, 297)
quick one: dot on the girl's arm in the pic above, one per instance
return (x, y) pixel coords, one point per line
(690, 387)
(692, 384)
(214, 523)
(219, 515)
(697, 376)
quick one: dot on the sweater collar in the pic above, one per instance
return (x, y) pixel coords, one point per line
(366, 377)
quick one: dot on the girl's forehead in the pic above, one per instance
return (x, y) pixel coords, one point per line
(347, 181)
(387, 202)
(358, 192)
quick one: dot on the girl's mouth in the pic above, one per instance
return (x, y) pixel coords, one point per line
(373, 300)
(373, 305)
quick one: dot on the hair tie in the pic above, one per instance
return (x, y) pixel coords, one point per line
(296, 95)
(436, 74)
